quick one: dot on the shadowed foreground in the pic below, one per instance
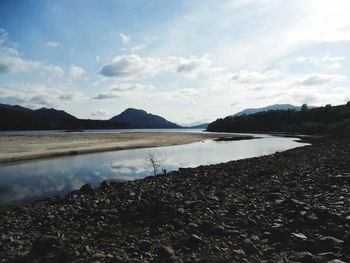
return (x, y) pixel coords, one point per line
(288, 207)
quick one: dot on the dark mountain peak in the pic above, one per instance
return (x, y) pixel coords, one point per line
(14, 107)
(53, 114)
(141, 119)
(134, 111)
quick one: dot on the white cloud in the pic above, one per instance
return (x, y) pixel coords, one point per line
(124, 90)
(326, 21)
(52, 44)
(3, 36)
(146, 42)
(136, 67)
(138, 47)
(76, 72)
(132, 67)
(100, 114)
(327, 61)
(12, 62)
(190, 67)
(37, 95)
(125, 38)
(319, 79)
(245, 76)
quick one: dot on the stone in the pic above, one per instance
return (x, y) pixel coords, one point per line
(86, 189)
(47, 249)
(193, 241)
(165, 252)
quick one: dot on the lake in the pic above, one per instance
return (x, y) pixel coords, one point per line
(31, 180)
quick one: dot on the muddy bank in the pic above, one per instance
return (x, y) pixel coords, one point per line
(292, 206)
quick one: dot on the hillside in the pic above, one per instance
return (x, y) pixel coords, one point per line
(20, 118)
(142, 119)
(328, 119)
(268, 108)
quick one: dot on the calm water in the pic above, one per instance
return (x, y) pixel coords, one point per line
(31, 180)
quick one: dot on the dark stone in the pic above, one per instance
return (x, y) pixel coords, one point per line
(193, 241)
(218, 230)
(47, 249)
(165, 252)
(86, 188)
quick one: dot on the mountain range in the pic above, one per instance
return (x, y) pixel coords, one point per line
(308, 120)
(267, 108)
(20, 118)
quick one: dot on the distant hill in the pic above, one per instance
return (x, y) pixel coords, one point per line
(194, 125)
(42, 113)
(142, 119)
(20, 118)
(267, 108)
(199, 126)
(321, 120)
(53, 114)
(14, 107)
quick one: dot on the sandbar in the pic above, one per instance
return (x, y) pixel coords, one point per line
(28, 147)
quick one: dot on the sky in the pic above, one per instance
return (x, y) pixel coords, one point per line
(186, 60)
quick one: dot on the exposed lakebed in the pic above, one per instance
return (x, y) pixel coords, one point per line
(32, 180)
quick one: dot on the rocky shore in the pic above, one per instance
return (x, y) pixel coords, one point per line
(292, 206)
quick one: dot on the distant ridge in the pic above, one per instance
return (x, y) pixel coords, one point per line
(20, 118)
(316, 120)
(267, 108)
(199, 126)
(53, 114)
(42, 113)
(141, 119)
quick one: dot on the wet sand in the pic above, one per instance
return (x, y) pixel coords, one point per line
(18, 148)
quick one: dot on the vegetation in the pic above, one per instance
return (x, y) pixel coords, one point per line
(322, 120)
(154, 160)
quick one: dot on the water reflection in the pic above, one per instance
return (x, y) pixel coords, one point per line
(28, 181)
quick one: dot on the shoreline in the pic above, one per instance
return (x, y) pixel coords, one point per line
(24, 147)
(291, 206)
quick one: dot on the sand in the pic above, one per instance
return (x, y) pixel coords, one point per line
(17, 148)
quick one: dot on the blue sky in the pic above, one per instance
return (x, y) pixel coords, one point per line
(185, 60)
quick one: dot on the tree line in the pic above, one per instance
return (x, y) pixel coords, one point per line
(321, 120)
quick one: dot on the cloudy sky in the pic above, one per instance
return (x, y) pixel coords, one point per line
(187, 60)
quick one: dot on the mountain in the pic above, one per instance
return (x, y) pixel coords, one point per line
(19, 118)
(321, 120)
(142, 119)
(53, 114)
(42, 113)
(193, 124)
(267, 108)
(199, 126)
(14, 107)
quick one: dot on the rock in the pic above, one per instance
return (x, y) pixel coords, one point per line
(193, 241)
(47, 249)
(165, 252)
(105, 185)
(239, 252)
(298, 236)
(218, 230)
(302, 256)
(328, 243)
(86, 189)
